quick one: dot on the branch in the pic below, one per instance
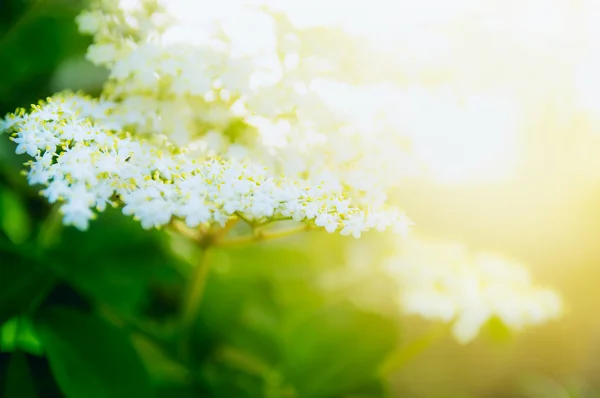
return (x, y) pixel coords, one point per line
(191, 301)
(180, 227)
(260, 235)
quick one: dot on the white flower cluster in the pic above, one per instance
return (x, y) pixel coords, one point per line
(236, 81)
(223, 118)
(445, 282)
(82, 160)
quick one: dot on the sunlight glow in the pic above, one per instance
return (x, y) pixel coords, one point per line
(462, 140)
(497, 59)
(458, 77)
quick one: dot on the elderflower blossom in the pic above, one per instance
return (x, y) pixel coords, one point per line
(190, 73)
(208, 114)
(220, 123)
(87, 165)
(445, 282)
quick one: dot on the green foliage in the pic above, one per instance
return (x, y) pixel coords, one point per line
(22, 283)
(17, 334)
(104, 303)
(115, 263)
(336, 350)
(89, 357)
(19, 383)
(14, 219)
(36, 37)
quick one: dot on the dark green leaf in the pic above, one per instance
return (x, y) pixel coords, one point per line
(375, 388)
(33, 46)
(16, 334)
(22, 282)
(176, 391)
(90, 358)
(14, 219)
(162, 367)
(19, 383)
(220, 380)
(115, 261)
(337, 350)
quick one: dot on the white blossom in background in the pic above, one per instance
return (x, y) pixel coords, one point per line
(445, 282)
(209, 113)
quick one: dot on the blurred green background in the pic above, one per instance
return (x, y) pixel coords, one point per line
(96, 307)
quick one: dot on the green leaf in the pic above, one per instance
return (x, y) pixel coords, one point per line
(14, 219)
(176, 391)
(16, 334)
(247, 317)
(220, 380)
(163, 369)
(90, 358)
(22, 283)
(115, 262)
(337, 350)
(8, 335)
(33, 46)
(375, 388)
(19, 383)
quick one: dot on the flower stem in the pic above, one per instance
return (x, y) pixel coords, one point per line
(259, 235)
(220, 234)
(182, 229)
(192, 300)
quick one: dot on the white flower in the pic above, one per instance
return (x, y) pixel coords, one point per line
(102, 53)
(40, 169)
(9, 121)
(402, 224)
(77, 209)
(195, 211)
(342, 206)
(28, 143)
(201, 121)
(76, 132)
(57, 189)
(354, 225)
(89, 21)
(445, 282)
(327, 221)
